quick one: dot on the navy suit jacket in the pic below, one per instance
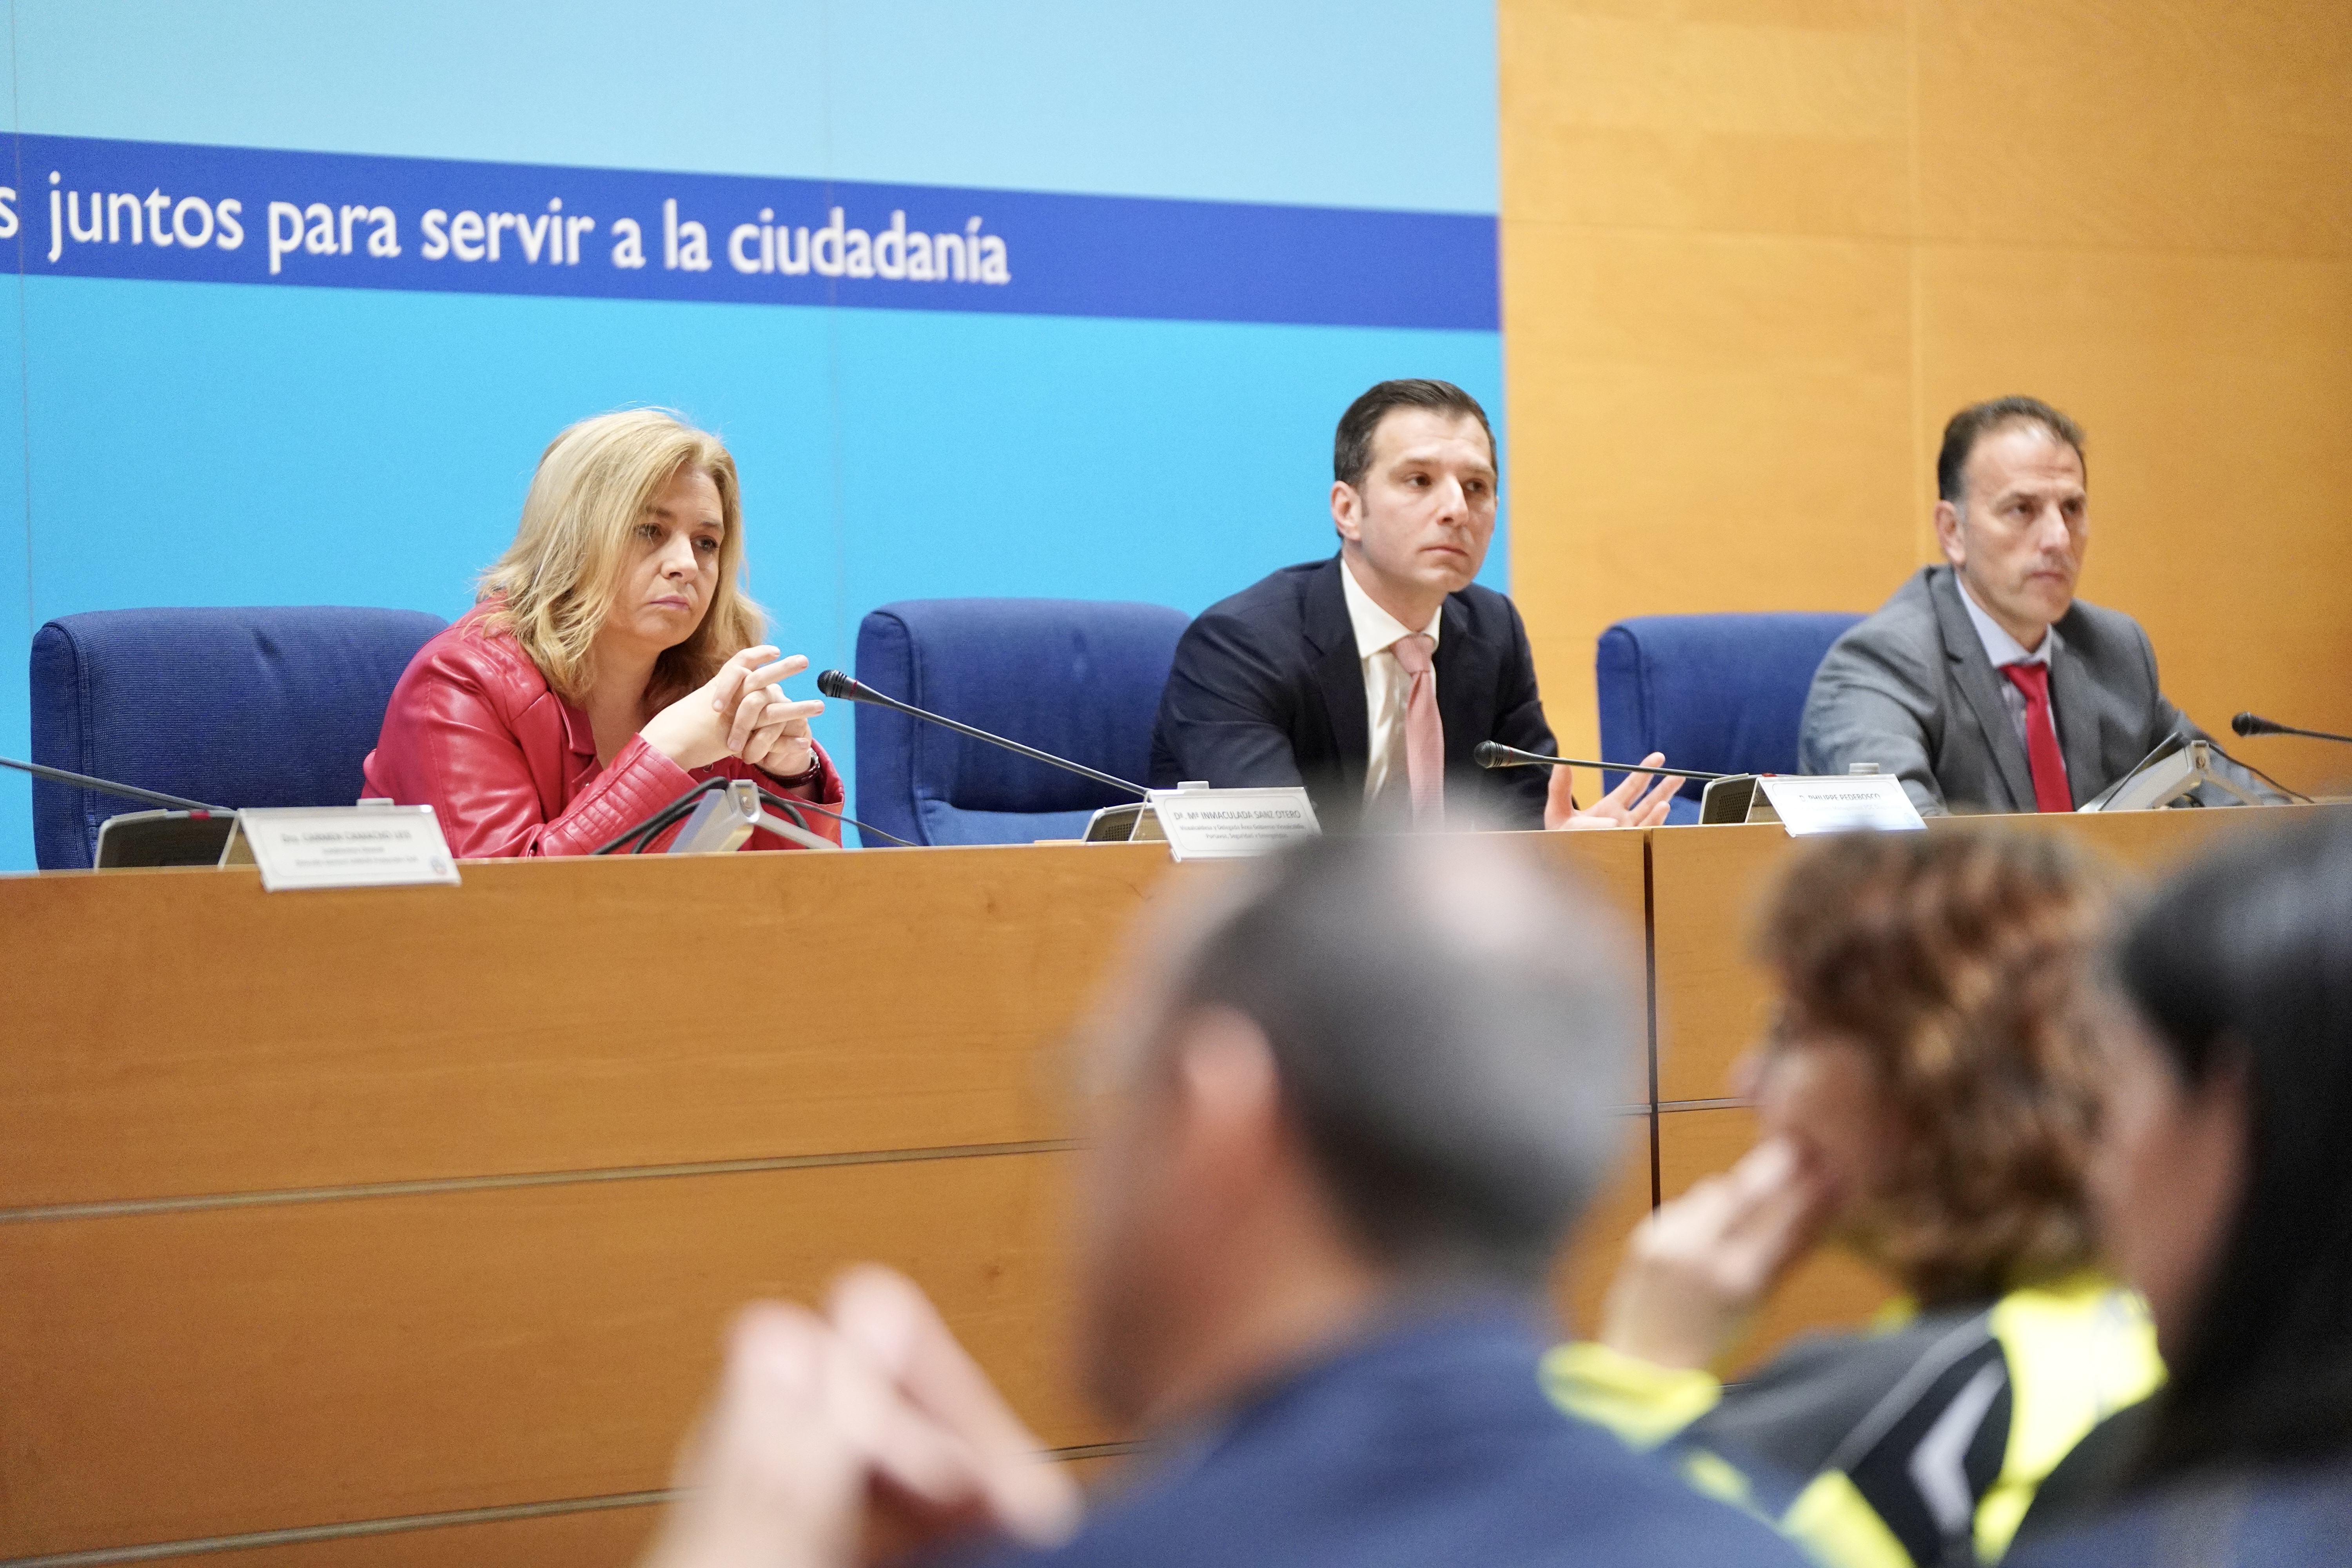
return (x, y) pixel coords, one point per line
(1267, 690)
(1430, 1443)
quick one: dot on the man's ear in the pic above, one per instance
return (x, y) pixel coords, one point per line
(1947, 533)
(1228, 1096)
(1347, 512)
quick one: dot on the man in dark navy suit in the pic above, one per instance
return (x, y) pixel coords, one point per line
(1372, 678)
(1344, 1112)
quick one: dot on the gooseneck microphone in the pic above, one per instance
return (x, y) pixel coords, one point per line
(2255, 724)
(108, 786)
(1495, 754)
(844, 687)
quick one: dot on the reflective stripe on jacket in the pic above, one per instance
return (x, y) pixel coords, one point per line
(1920, 1444)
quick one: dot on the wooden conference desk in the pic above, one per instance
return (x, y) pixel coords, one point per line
(400, 1225)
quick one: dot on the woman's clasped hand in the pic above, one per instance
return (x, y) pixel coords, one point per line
(740, 711)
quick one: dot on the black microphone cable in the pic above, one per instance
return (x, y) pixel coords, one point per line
(797, 806)
(637, 838)
(676, 810)
(2293, 796)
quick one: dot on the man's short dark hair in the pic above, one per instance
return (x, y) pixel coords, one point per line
(1451, 1026)
(1979, 420)
(1351, 449)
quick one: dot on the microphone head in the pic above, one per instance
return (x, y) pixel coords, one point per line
(1487, 754)
(837, 684)
(2252, 724)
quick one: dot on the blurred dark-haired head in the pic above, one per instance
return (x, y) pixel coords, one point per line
(1379, 1065)
(2225, 1176)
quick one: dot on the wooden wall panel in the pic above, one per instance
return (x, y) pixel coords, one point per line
(1765, 119)
(2042, 123)
(1756, 252)
(2218, 456)
(224, 1370)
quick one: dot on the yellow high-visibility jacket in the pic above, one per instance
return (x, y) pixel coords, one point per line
(1922, 1442)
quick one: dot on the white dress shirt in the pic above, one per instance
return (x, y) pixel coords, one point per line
(1385, 681)
(2002, 649)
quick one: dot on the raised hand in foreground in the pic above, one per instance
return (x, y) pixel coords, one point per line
(1697, 1268)
(866, 1429)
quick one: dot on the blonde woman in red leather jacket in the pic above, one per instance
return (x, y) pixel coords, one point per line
(611, 662)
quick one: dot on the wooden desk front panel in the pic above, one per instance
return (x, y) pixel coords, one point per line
(221, 1347)
(176, 1033)
(183, 1032)
(1708, 884)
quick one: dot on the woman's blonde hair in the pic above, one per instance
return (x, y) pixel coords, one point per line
(557, 580)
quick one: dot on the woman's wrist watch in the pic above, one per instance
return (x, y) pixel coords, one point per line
(807, 776)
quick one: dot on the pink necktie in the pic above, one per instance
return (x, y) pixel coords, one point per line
(2043, 760)
(1424, 732)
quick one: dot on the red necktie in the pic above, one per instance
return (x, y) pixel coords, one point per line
(2051, 791)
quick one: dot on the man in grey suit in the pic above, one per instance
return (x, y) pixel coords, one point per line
(1984, 684)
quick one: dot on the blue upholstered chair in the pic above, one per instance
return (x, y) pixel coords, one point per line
(239, 707)
(1723, 694)
(1076, 678)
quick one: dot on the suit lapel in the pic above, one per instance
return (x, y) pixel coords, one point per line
(1974, 675)
(1338, 673)
(2078, 722)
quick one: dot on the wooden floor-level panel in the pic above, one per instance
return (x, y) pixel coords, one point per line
(566, 1537)
(187, 1375)
(1581, 1280)
(596, 1538)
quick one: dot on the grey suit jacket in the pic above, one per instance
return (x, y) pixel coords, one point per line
(1911, 690)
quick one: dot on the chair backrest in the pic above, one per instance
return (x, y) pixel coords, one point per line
(1073, 676)
(1724, 694)
(261, 707)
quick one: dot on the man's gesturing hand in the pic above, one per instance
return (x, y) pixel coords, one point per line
(1639, 800)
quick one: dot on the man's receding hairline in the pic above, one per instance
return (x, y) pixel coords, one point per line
(2020, 421)
(1373, 457)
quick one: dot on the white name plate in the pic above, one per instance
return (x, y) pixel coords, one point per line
(1225, 824)
(341, 846)
(1846, 804)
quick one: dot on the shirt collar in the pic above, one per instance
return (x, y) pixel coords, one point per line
(1376, 629)
(1998, 645)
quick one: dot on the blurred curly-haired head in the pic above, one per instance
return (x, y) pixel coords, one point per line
(1953, 961)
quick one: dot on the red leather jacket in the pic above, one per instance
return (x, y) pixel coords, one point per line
(510, 768)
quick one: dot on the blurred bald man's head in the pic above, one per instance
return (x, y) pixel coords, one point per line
(1362, 1070)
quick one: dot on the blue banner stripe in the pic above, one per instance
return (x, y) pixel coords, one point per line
(92, 208)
